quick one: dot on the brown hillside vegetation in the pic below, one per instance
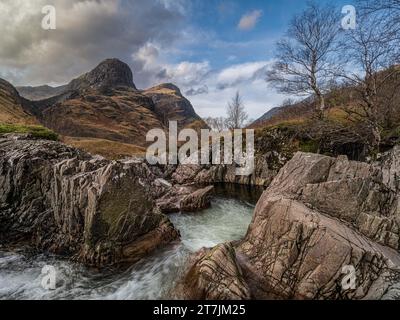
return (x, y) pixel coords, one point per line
(344, 128)
(109, 149)
(101, 111)
(124, 115)
(12, 106)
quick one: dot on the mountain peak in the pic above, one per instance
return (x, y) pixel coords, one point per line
(166, 86)
(109, 73)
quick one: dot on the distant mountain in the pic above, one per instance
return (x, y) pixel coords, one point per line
(13, 108)
(40, 92)
(105, 105)
(268, 115)
(171, 105)
(110, 73)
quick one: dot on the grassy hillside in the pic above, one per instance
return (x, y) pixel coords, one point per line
(12, 106)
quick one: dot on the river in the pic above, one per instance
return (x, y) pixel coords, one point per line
(152, 278)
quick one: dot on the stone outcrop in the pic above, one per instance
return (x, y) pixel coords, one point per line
(187, 198)
(365, 196)
(320, 217)
(214, 275)
(293, 252)
(65, 201)
(109, 73)
(209, 174)
(197, 200)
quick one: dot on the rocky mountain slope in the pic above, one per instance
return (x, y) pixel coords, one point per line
(40, 92)
(319, 216)
(100, 108)
(104, 104)
(122, 115)
(171, 105)
(110, 73)
(13, 108)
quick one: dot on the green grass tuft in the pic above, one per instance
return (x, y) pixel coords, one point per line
(38, 132)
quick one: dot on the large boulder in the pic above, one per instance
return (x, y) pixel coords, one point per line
(198, 200)
(366, 196)
(214, 275)
(320, 218)
(293, 252)
(59, 199)
(186, 198)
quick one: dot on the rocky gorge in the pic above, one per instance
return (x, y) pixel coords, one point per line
(318, 215)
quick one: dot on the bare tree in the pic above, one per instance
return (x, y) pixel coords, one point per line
(373, 6)
(287, 103)
(370, 52)
(305, 57)
(236, 114)
(216, 124)
(386, 13)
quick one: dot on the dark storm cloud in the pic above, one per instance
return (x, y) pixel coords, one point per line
(87, 32)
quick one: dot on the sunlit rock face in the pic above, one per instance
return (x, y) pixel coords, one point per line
(319, 217)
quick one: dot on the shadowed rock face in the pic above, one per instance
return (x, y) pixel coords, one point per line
(110, 73)
(226, 173)
(319, 214)
(57, 198)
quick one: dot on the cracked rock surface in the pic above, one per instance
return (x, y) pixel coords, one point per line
(59, 199)
(318, 216)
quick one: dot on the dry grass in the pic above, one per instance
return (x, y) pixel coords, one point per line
(109, 149)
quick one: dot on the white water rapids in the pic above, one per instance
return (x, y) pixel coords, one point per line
(152, 278)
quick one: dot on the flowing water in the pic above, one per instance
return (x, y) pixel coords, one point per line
(152, 278)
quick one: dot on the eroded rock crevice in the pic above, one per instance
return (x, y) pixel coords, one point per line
(318, 216)
(65, 201)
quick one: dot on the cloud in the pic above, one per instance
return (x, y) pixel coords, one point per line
(194, 92)
(249, 20)
(221, 85)
(258, 98)
(245, 72)
(155, 37)
(150, 67)
(88, 31)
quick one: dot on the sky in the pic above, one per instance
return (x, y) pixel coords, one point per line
(209, 48)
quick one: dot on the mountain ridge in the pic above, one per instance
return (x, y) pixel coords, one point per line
(13, 108)
(105, 105)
